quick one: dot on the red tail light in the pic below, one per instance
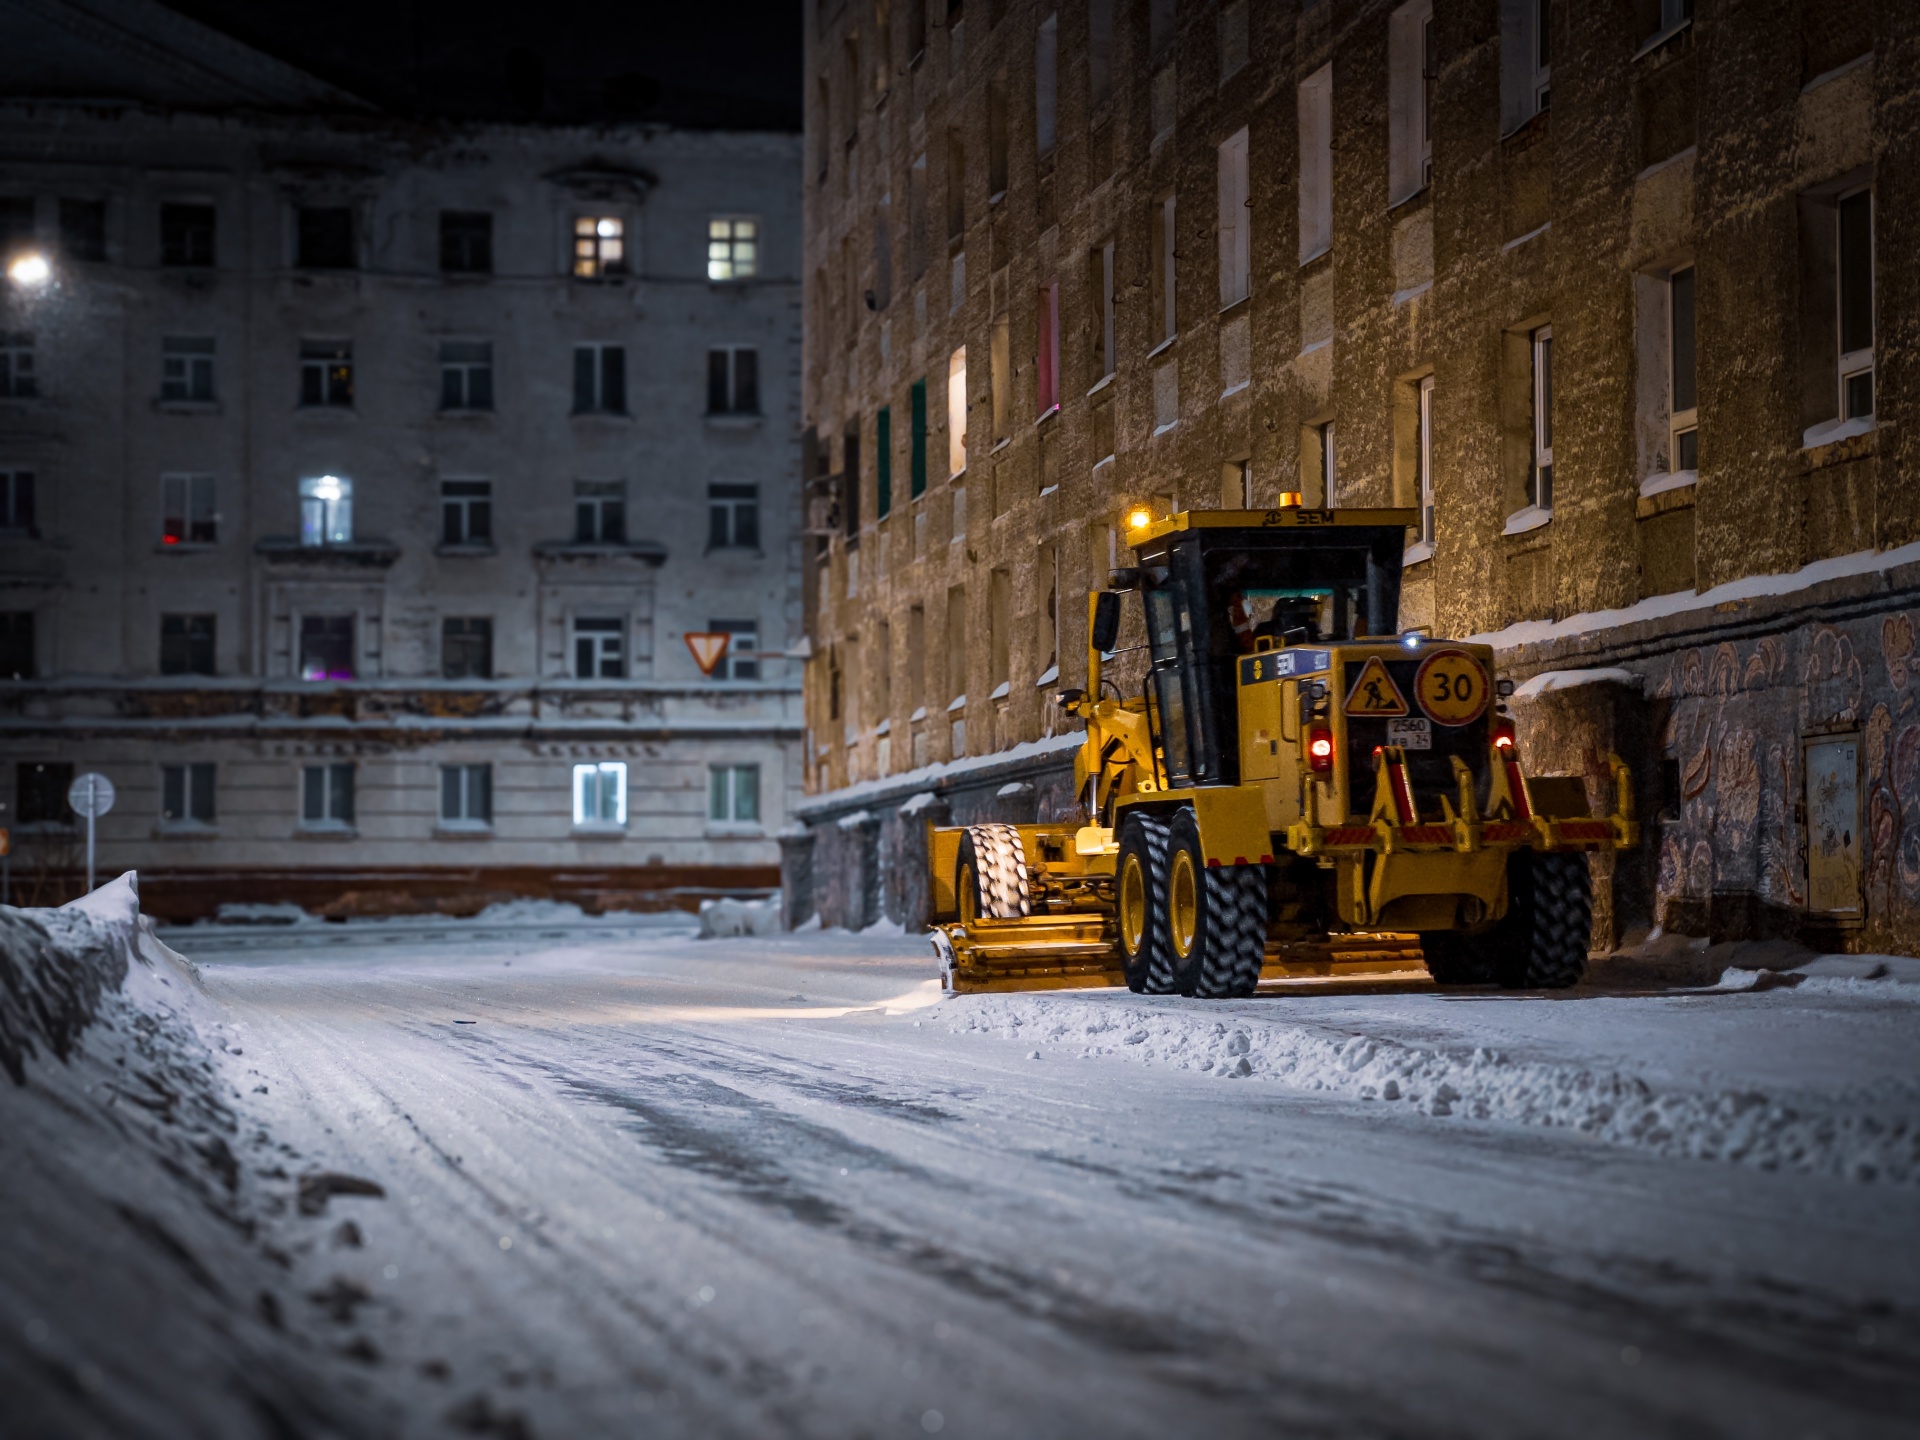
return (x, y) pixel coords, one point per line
(1503, 736)
(1320, 748)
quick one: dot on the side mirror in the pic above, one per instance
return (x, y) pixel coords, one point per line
(1106, 620)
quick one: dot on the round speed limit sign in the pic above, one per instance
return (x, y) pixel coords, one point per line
(1452, 687)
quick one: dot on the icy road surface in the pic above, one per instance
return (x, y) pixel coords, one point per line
(642, 1184)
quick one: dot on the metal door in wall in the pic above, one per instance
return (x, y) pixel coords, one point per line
(1833, 826)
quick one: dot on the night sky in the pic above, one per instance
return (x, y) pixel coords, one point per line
(734, 65)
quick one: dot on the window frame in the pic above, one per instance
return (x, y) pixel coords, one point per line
(1424, 461)
(326, 511)
(187, 369)
(606, 502)
(326, 374)
(471, 501)
(471, 791)
(19, 375)
(196, 651)
(957, 412)
(599, 251)
(19, 501)
(1314, 103)
(727, 502)
(725, 793)
(474, 628)
(602, 375)
(1853, 366)
(1682, 422)
(1236, 217)
(726, 264)
(181, 233)
(734, 385)
(731, 666)
(1540, 418)
(455, 246)
(605, 636)
(601, 772)
(189, 782)
(351, 632)
(338, 801)
(474, 369)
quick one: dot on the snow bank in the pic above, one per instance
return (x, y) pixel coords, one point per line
(145, 1271)
(723, 919)
(1746, 1127)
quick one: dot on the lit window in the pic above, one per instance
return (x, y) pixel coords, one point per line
(733, 248)
(957, 411)
(187, 515)
(466, 796)
(600, 648)
(600, 793)
(326, 797)
(733, 794)
(326, 511)
(186, 796)
(186, 368)
(599, 246)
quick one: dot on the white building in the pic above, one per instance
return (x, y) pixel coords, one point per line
(361, 480)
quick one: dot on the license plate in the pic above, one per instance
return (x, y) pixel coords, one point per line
(1410, 734)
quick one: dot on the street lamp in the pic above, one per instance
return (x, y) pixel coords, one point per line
(30, 269)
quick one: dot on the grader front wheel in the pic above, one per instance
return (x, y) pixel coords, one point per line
(1217, 918)
(990, 875)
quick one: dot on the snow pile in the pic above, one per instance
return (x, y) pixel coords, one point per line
(723, 919)
(139, 1277)
(247, 913)
(1841, 1140)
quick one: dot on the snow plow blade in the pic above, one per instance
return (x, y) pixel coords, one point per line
(1075, 952)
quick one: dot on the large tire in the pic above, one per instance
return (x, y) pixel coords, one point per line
(1140, 905)
(1539, 944)
(1216, 918)
(990, 874)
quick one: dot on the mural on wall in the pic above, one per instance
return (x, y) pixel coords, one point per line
(1797, 757)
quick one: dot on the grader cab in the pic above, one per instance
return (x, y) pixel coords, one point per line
(1298, 792)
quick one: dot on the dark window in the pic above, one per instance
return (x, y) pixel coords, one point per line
(850, 478)
(733, 380)
(326, 647)
(600, 648)
(186, 644)
(1684, 400)
(600, 512)
(1856, 305)
(42, 791)
(16, 644)
(186, 794)
(186, 368)
(326, 795)
(16, 224)
(742, 660)
(83, 229)
(917, 441)
(186, 235)
(466, 375)
(466, 512)
(325, 234)
(17, 377)
(733, 793)
(883, 462)
(466, 242)
(466, 794)
(600, 379)
(466, 647)
(733, 517)
(326, 372)
(187, 516)
(16, 500)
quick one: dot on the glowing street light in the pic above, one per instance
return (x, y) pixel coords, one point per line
(30, 269)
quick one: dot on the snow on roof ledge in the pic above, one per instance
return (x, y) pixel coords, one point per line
(927, 775)
(1683, 602)
(1568, 679)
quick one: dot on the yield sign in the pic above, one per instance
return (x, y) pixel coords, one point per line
(1374, 693)
(709, 648)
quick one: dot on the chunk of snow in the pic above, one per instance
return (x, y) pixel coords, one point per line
(1569, 679)
(725, 918)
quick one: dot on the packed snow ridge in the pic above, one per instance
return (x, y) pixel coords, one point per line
(1845, 1139)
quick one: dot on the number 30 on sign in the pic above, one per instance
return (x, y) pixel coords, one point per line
(1452, 687)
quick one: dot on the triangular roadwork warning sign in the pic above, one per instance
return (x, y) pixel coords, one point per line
(1374, 693)
(709, 648)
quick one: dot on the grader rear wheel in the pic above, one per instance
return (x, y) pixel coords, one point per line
(1140, 892)
(1217, 918)
(990, 875)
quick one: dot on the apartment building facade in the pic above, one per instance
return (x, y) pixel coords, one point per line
(362, 480)
(1613, 295)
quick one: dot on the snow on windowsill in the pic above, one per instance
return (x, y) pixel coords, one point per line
(1530, 517)
(1236, 389)
(1167, 428)
(455, 831)
(1661, 484)
(1682, 602)
(1102, 383)
(599, 832)
(1519, 240)
(1401, 297)
(1049, 490)
(917, 716)
(1316, 345)
(1047, 677)
(1164, 346)
(1570, 679)
(1002, 690)
(885, 727)
(959, 702)
(1417, 552)
(1661, 37)
(1827, 432)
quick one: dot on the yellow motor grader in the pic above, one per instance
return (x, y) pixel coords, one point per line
(1300, 792)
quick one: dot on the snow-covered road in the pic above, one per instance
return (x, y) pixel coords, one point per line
(642, 1184)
